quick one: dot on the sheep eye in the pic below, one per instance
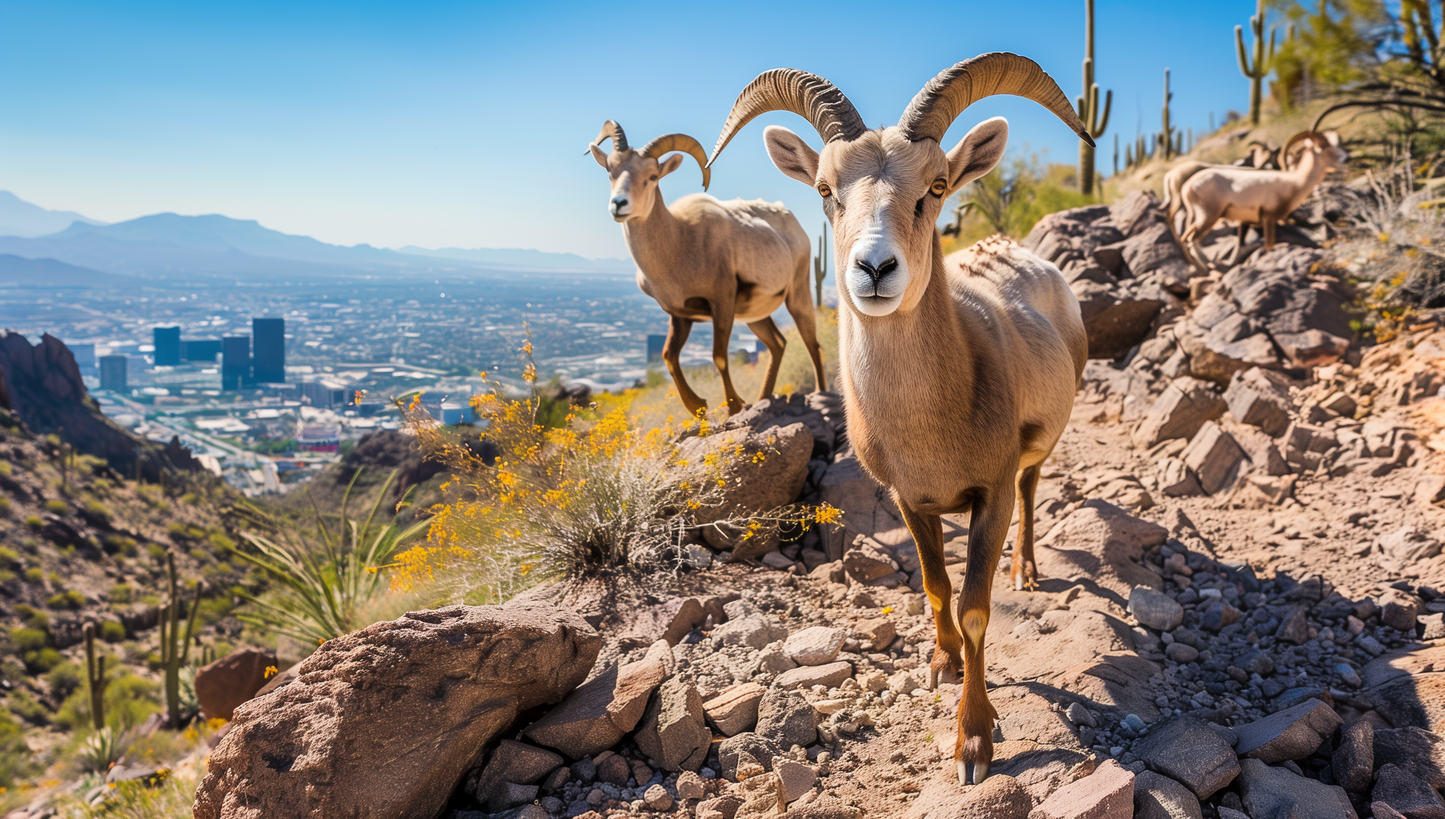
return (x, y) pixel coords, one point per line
(824, 191)
(652, 178)
(938, 188)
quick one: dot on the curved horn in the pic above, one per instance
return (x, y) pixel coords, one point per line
(807, 95)
(611, 130)
(668, 143)
(1286, 156)
(954, 89)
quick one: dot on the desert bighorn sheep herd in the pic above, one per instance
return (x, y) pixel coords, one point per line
(1254, 195)
(958, 373)
(702, 259)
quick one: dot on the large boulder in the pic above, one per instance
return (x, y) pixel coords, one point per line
(1184, 406)
(765, 470)
(1101, 543)
(1191, 752)
(673, 730)
(867, 505)
(1279, 793)
(386, 721)
(224, 684)
(1116, 316)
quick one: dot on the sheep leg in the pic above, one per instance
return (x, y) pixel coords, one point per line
(722, 332)
(1270, 226)
(769, 334)
(1025, 572)
(800, 306)
(1238, 244)
(677, 332)
(987, 530)
(927, 531)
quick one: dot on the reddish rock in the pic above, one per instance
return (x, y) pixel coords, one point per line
(232, 680)
(1107, 793)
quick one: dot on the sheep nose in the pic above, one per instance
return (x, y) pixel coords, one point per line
(618, 204)
(880, 270)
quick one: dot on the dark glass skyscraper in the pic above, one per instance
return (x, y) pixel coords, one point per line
(235, 362)
(113, 372)
(168, 346)
(268, 364)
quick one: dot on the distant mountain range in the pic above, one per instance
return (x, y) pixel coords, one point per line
(169, 246)
(46, 273)
(20, 218)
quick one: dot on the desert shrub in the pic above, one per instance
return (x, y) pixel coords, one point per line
(592, 498)
(112, 631)
(26, 639)
(103, 749)
(6, 576)
(129, 700)
(190, 499)
(121, 593)
(6, 469)
(42, 661)
(96, 509)
(156, 551)
(58, 507)
(24, 705)
(220, 542)
(170, 797)
(63, 679)
(9, 557)
(15, 759)
(34, 521)
(1017, 194)
(4, 504)
(322, 586)
(35, 575)
(69, 599)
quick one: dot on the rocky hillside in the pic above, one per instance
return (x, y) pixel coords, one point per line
(82, 543)
(41, 385)
(1241, 612)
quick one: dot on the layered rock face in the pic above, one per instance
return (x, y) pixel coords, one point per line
(41, 384)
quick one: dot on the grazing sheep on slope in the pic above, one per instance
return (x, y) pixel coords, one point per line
(1253, 195)
(702, 259)
(958, 374)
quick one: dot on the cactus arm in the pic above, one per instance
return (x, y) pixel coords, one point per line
(191, 625)
(1104, 120)
(1242, 52)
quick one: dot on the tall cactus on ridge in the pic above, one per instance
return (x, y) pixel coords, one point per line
(1263, 61)
(1095, 121)
(1166, 131)
(95, 679)
(175, 648)
(820, 266)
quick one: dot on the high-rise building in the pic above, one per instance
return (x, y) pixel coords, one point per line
(268, 364)
(84, 357)
(202, 350)
(168, 346)
(113, 372)
(235, 362)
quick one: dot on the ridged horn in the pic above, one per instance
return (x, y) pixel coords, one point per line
(610, 130)
(668, 143)
(1286, 154)
(954, 89)
(807, 95)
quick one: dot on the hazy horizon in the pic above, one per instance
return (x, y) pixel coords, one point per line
(453, 125)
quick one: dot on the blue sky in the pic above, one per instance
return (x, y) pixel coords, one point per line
(464, 124)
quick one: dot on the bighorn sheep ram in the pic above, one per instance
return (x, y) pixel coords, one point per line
(958, 374)
(1260, 156)
(703, 259)
(1263, 197)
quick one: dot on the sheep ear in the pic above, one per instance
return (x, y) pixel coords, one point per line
(977, 153)
(598, 155)
(791, 154)
(1333, 137)
(669, 165)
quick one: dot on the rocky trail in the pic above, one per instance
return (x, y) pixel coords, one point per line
(1242, 610)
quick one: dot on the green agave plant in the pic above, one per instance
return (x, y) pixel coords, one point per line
(321, 589)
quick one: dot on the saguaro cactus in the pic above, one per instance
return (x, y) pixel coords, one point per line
(174, 647)
(1095, 120)
(95, 679)
(820, 266)
(1166, 131)
(1263, 62)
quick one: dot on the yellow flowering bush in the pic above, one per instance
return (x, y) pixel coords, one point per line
(595, 496)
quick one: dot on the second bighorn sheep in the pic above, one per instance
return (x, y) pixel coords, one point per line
(958, 373)
(1253, 195)
(702, 259)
